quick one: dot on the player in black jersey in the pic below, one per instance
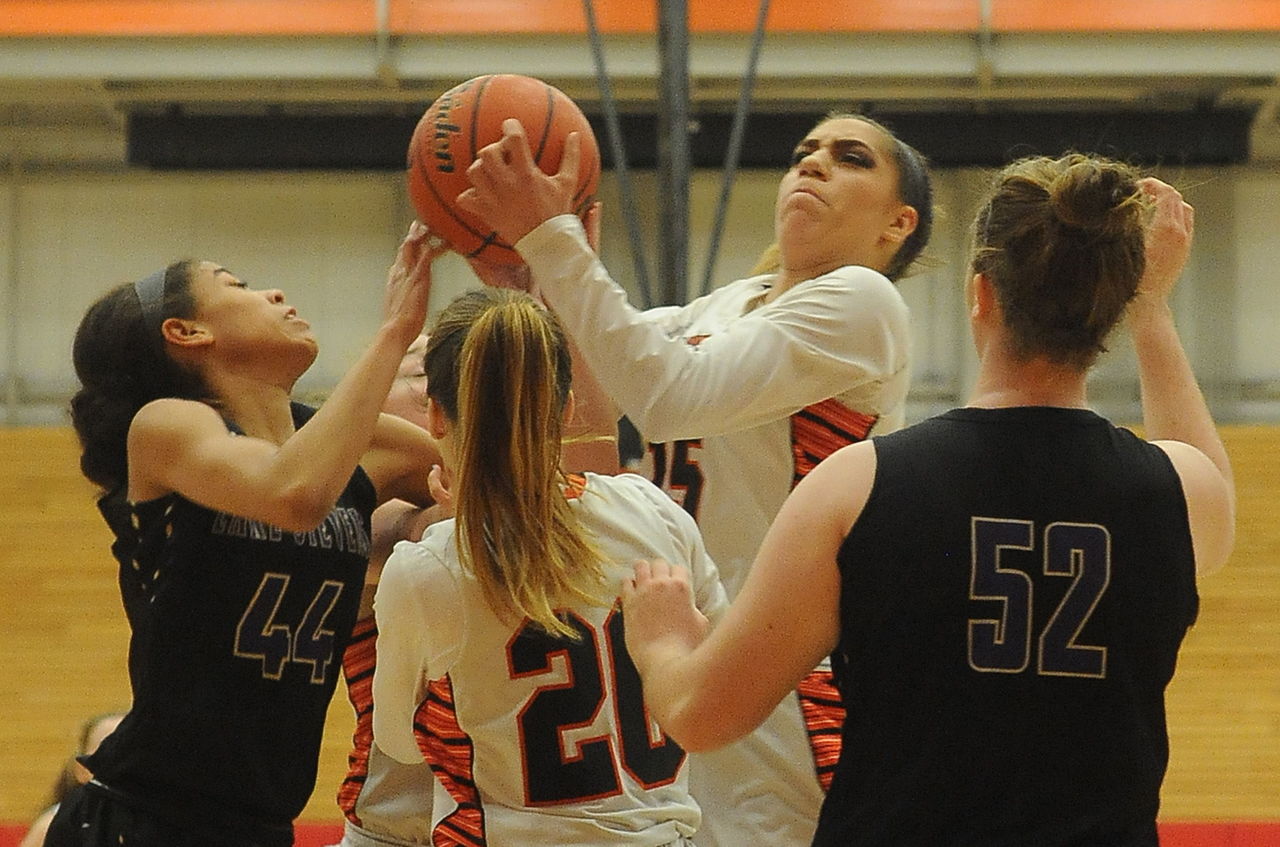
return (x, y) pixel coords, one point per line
(1003, 588)
(242, 530)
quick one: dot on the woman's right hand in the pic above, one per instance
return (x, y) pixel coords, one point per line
(1168, 242)
(408, 287)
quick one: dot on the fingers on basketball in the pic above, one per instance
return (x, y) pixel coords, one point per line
(470, 116)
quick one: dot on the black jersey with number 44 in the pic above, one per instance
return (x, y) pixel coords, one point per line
(1014, 595)
(238, 629)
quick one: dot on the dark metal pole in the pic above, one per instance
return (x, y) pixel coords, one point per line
(673, 152)
(735, 147)
(618, 149)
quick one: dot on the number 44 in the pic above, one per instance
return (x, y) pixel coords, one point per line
(263, 636)
(1078, 551)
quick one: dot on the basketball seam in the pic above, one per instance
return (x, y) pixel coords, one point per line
(475, 112)
(546, 124)
(448, 208)
(422, 171)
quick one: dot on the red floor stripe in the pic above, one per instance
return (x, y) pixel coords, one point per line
(1172, 834)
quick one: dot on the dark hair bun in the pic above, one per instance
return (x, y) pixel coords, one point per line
(1094, 198)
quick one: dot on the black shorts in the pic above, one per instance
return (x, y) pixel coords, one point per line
(90, 816)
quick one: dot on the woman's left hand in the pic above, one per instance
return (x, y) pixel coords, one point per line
(409, 281)
(659, 615)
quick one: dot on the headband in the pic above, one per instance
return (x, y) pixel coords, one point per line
(150, 291)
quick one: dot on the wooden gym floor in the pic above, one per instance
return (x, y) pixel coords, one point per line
(65, 639)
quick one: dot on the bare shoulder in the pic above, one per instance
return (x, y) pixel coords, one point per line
(163, 435)
(166, 427)
(837, 489)
(170, 414)
(1194, 468)
(853, 462)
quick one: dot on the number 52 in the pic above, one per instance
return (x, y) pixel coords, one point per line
(1077, 550)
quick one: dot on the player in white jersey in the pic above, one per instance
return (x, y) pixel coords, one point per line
(386, 803)
(744, 390)
(501, 656)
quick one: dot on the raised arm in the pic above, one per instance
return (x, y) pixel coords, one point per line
(821, 338)
(1174, 412)
(183, 446)
(591, 437)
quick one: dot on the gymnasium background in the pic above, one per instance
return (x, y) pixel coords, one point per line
(267, 135)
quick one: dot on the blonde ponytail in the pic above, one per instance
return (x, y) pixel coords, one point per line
(504, 377)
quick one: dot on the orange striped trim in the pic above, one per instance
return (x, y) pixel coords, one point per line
(821, 429)
(824, 713)
(451, 755)
(358, 661)
(575, 485)
(619, 17)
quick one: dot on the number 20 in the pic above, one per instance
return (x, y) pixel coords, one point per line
(1080, 551)
(554, 774)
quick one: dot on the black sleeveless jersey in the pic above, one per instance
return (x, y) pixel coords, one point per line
(238, 629)
(1013, 598)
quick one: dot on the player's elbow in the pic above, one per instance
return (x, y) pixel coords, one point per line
(1213, 554)
(699, 739)
(302, 508)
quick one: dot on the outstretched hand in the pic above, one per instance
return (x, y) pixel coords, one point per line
(409, 281)
(511, 193)
(660, 619)
(1168, 242)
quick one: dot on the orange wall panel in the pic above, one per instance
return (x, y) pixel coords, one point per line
(185, 17)
(419, 17)
(1135, 15)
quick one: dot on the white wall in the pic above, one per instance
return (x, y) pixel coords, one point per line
(327, 238)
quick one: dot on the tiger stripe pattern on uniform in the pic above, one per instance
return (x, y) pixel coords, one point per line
(449, 752)
(358, 662)
(817, 431)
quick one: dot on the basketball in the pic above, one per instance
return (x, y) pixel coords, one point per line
(466, 118)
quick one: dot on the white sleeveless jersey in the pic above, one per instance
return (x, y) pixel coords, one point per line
(739, 400)
(535, 740)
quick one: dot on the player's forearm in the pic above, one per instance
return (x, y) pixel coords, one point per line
(677, 702)
(624, 350)
(591, 438)
(318, 460)
(697, 701)
(1173, 407)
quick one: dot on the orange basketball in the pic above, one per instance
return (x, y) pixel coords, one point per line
(466, 118)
